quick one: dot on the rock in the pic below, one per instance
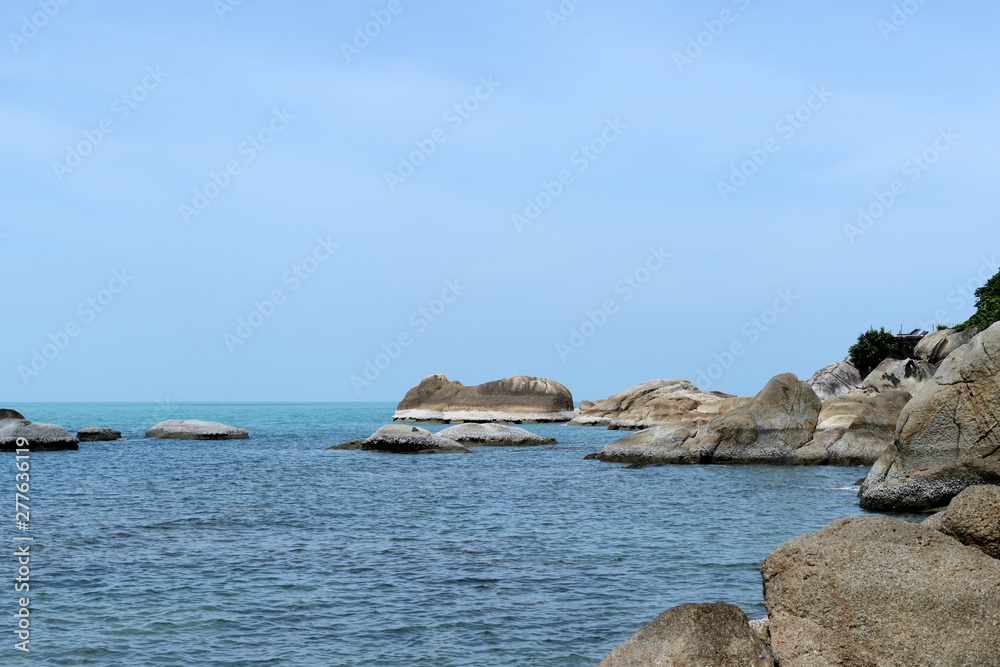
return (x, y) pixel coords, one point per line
(660, 444)
(350, 444)
(10, 414)
(97, 434)
(192, 429)
(519, 399)
(40, 437)
(653, 403)
(928, 488)
(402, 439)
(493, 435)
(937, 346)
(902, 374)
(693, 635)
(972, 518)
(881, 592)
(836, 379)
(952, 419)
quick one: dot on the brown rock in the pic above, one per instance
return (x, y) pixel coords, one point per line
(653, 403)
(972, 518)
(10, 414)
(936, 347)
(519, 399)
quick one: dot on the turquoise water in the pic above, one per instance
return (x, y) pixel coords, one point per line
(275, 551)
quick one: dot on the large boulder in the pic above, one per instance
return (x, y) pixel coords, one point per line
(693, 635)
(899, 374)
(403, 439)
(192, 429)
(98, 434)
(836, 379)
(519, 399)
(652, 403)
(666, 443)
(10, 414)
(937, 346)
(972, 518)
(40, 437)
(494, 435)
(952, 419)
(881, 592)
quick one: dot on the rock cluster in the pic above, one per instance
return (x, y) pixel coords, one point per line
(520, 399)
(403, 439)
(653, 403)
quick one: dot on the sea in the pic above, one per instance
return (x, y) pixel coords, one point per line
(278, 551)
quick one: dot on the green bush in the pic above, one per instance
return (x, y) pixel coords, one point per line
(987, 306)
(872, 348)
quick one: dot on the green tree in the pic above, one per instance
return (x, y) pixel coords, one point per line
(987, 306)
(872, 348)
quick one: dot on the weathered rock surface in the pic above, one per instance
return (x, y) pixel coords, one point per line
(928, 488)
(881, 592)
(972, 518)
(493, 435)
(10, 414)
(836, 379)
(403, 439)
(693, 635)
(519, 399)
(937, 346)
(653, 403)
(40, 437)
(899, 374)
(952, 419)
(192, 429)
(98, 434)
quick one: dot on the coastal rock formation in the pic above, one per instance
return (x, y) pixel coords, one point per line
(928, 488)
(652, 403)
(764, 429)
(192, 429)
(836, 379)
(97, 434)
(936, 347)
(493, 435)
(10, 414)
(953, 419)
(879, 591)
(402, 439)
(694, 635)
(899, 374)
(40, 437)
(519, 399)
(972, 518)
(854, 429)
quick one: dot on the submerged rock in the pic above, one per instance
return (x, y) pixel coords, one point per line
(519, 399)
(402, 439)
(972, 518)
(493, 435)
(98, 434)
(40, 437)
(192, 429)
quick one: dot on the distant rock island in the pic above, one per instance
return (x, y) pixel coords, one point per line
(518, 400)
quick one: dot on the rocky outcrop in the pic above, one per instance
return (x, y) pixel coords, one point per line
(928, 488)
(693, 635)
(972, 518)
(493, 435)
(879, 591)
(899, 374)
(764, 429)
(192, 429)
(40, 437)
(98, 434)
(854, 429)
(519, 399)
(403, 439)
(953, 419)
(653, 403)
(937, 346)
(836, 379)
(10, 414)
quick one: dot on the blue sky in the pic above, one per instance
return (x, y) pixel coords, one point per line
(515, 170)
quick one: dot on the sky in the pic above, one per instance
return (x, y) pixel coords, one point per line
(295, 200)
